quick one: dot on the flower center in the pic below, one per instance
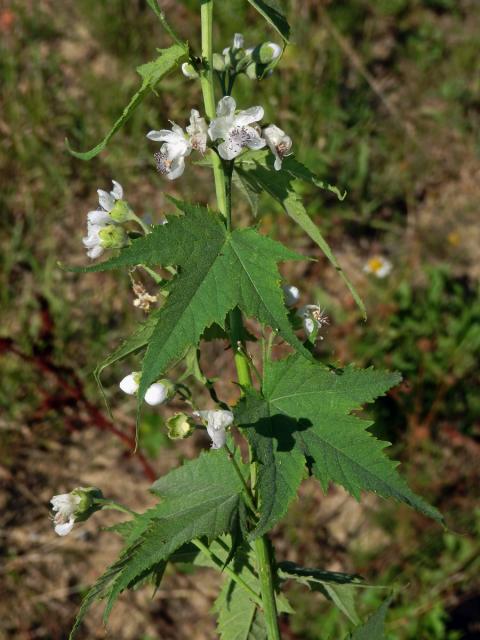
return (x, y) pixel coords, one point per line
(375, 264)
(162, 162)
(238, 138)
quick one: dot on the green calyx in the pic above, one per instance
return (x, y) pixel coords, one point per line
(121, 212)
(113, 237)
(89, 497)
(180, 426)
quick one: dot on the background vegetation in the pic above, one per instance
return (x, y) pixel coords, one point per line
(381, 98)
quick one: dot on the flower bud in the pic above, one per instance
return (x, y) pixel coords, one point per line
(159, 392)
(121, 212)
(189, 71)
(113, 237)
(218, 62)
(238, 41)
(130, 383)
(252, 71)
(268, 52)
(291, 295)
(180, 426)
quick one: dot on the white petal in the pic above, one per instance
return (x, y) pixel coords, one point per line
(229, 150)
(238, 41)
(309, 325)
(219, 128)
(164, 135)
(226, 107)
(95, 252)
(217, 436)
(117, 191)
(129, 384)
(254, 114)
(256, 142)
(98, 218)
(177, 130)
(278, 163)
(156, 394)
(176, 168)
(64, 528)
(106, 200)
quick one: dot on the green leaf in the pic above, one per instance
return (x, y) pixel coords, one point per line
(201, 498)
(273, 17)
(257, 170)
(337, 587)
(304, 415)
(218, 271)
(374, 628)
(151, 73)
(248, 190)
(238, 616)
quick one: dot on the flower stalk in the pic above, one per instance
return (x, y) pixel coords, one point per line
(223, 187)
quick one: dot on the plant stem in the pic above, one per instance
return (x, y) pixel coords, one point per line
(247, 490)
(223, 184)
(228, 570)
(206, 80)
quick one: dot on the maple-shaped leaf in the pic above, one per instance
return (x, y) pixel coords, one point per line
(303, 417)
(218, 270)
(201, 498)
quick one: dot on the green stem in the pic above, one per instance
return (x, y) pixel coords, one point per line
(115, 506)
(228, 570)
(266, 587)
(223, 184)
(247, 490)
(206, 80)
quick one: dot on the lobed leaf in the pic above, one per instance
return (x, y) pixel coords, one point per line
(201, 498)
(217, 271)
(151, 73)
(374, 628)
(304, 415)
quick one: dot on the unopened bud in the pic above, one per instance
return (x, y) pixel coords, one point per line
(88, 504)
(238, 41)
(218, 62)
(268, 52)
(189, 71)
(251, 71)
(113, 237)
(180, 426)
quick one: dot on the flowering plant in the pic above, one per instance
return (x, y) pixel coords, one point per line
(293, 417)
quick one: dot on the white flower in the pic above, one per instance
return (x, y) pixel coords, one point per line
(235, 129)
(189, 71)
(278, 142)
(197, 130)
(378, 266)
(291, 295)
(65, 505)
(170, 160)
(100, 218)
(313, 318)
(217, 422)
(156, 393)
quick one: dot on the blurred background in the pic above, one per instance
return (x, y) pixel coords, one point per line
(382, 99)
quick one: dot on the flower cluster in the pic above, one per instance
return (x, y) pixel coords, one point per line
(236, 132)
(255, 62)
(103, 228)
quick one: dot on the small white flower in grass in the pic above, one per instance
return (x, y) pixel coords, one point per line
(197, 130)
(64, 505)
(157, 393)
(378, 266)
(278, 142)
(217, 423)
(170, 160)
(101, 231)
(235, 129)
(313, 318)
(291, 295)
